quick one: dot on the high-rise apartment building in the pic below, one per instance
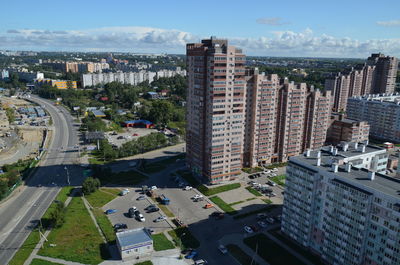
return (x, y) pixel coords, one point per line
(385, 73)
(338, 206)
(382, 112)
(238, 117)
(378, 75)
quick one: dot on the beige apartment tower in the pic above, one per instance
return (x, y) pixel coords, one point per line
(238, 117)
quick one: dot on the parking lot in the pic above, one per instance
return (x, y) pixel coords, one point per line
(122, 205)
(128, 134)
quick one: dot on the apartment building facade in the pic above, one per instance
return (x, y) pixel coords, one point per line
(377, 75)
(382, 112)
(77, 67)
(238, 117)
(345, 213)
(347, 130)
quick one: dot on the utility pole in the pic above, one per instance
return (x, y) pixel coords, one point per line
(66, 169)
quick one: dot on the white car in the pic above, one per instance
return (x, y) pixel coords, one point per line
(153, 187)
(141, 218)
(197, 196)
(160, 218)
(223, 249)
(188, 188)
(248, 229)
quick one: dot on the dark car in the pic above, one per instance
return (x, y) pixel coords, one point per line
(131, 212)
(153, 209)
(217, 215)
(120, 226)
(186, 251)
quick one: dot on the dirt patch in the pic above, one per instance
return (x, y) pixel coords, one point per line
(31, 136)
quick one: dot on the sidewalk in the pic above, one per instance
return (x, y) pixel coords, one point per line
(237, 239)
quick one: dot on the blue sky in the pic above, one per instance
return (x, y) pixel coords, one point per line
(351, 28)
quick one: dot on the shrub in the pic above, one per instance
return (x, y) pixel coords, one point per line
(90, 185)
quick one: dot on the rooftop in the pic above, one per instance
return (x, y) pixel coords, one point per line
(133, 236)
(381, 183)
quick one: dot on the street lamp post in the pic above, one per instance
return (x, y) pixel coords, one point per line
(66, 169)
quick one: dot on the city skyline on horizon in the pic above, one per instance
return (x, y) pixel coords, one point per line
(286, 29)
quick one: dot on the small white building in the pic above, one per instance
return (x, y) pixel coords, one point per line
(134, 243)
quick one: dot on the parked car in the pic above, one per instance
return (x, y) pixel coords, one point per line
(188, 188)
(200, 262)
(191, 254)
(140, 198)
(131, 212)
(150, 207)
(120, 226)
(153, 210)
(223, 249)
(197, 196)
(254, 228)
(248, 229)
(153, 187)
(199, 199)
(135, 134)
(208, 205)
(124, 192)
(110, 211)
(120, 137)
(217, 215)
(186, 251)
(262, 224)
(140, 217)
(160, 218)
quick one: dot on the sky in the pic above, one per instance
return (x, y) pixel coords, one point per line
(312, 28)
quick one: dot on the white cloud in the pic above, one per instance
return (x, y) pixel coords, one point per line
(390, 23)
(272, 21)
(147, 39)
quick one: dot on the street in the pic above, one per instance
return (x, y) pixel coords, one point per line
(29, 202)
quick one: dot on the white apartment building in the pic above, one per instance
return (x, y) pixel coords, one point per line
(338, 206)
(382, 112)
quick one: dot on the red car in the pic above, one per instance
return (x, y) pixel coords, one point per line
(135, 134)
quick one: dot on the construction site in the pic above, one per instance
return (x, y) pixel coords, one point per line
(23, 129)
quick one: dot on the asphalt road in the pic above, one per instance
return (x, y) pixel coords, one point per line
(24, 209)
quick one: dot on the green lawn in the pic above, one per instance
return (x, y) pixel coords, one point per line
(30, 243)
(43, 262)
(223, 205)
(280, 180)
(161, 242)
(147, 262)
(253, 191)
(270, 251)
(78, 239)
(240, 255)
(267, 208)
(105, 225)
(212, 191)
(116, 192)
(267, 201)
(163, 208)
(99, 198)
(251, 170)
(123, 178)
(182, 234)
(96, 161)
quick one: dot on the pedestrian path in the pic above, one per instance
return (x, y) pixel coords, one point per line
(237, 239)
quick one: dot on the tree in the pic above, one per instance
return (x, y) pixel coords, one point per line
(57, 216)
(90, 185)
(161, 112)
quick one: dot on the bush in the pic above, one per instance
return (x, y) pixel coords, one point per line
(90, 185)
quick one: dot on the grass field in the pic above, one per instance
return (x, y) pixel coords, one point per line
(270, 251)
(253, 191)
(212, 191)
(78, 239)
(251, 170)
(240, 255)
(280, 180)
(161, 242)
(101, 197)
(147, 262)
(183, 238)
(105, 225)
(43, 262)
(30, 243)
(223, 205)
